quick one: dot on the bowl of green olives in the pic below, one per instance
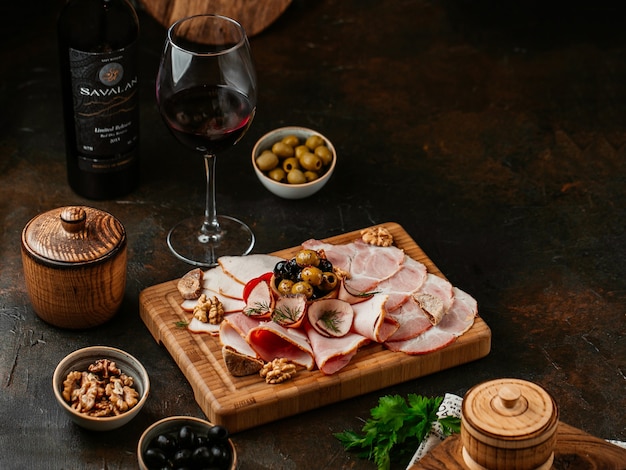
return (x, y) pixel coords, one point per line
(293, 162)
(186, 442)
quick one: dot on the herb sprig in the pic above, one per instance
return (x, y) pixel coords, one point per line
(399, 425)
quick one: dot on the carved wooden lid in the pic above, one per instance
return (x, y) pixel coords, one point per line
(509, 410)
(73, 235)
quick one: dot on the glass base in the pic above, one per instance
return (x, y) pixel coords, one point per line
(200, 245)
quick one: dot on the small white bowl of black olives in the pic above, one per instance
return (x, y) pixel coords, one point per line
(294, 162)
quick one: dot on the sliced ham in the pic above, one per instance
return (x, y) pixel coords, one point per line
(244, 268)
(331, 317)
(230, 305)
(217, 280)
(333, 354)
(340, 256)
(271, 341)
(231, 337)
(371, 320)
(412, 320)
(409, 278)
(197, 326)
(459, 318)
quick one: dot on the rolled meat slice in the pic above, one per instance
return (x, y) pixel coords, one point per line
(271, 341)
(333, 354)
(371, 319)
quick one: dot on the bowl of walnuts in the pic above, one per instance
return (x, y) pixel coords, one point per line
(294, 162)
(100, 387)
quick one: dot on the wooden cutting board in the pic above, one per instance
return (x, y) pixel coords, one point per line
(244, 402)
(574, 449)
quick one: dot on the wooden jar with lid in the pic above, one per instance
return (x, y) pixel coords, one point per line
(74, 261)
(508, 424)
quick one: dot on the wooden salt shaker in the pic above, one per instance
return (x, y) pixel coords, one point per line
(74, 261)
(508, 424)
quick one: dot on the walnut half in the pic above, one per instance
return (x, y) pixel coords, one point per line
(278, 370)
(209, 310)
(378, 236)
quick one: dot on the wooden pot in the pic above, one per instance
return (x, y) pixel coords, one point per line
(508, 424)
(74, 261)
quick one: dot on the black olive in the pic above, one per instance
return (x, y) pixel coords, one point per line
(201, 441)
(202, 457)
(167, 443)
(186, 437)
(182, 458)
(155, 458)
(220, 455)
(280, 269)
(217, 433)
(325, 265)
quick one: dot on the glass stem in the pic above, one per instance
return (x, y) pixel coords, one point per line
(210, 231)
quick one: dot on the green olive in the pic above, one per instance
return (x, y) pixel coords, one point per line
(282, 150)
(291, 140)
(311, 176)
(312, 275)
(307, 258)
(291, 163)
(329, 281)
(302, 287)
(277, 174)
(284, 286)
(314, 141)
(309, 161)
(296, 176)
(324, 154)
(300, 150)
(267, 161)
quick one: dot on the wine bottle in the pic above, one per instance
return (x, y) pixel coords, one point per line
(97, 42)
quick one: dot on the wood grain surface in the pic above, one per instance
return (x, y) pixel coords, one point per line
(254, 15)
(575, 449)
(244, 402)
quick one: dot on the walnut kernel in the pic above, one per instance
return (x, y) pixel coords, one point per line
(209, 310)
(378, 236)
(278, 370)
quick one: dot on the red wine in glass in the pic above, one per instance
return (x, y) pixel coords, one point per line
(209, 118)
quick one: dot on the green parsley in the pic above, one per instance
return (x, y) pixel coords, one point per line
(399, 425)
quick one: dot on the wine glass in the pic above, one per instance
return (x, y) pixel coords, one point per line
(206, 93)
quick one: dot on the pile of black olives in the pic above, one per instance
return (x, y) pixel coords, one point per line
(186, 448)
(307, 273)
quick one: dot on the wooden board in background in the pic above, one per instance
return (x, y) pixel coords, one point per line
(574, 449)
(244, 402)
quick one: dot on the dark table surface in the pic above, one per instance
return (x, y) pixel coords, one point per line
(495, 136)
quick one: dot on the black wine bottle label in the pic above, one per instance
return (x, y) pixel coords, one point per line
(104, 89)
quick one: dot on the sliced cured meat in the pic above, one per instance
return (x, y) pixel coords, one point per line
(197, 326)
(459, 318)
(333, 354)
(290, 310)
(272, 341)
(412, 320)
(232, 335)
(260, 301)
(340, 256)
(344, 293)
(244, 268)
(217, 280)
(409, 278)
(230, 305)
(437, 287)
(371, 321)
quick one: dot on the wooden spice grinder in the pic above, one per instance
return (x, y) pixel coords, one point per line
(508, 424)
(74, 261)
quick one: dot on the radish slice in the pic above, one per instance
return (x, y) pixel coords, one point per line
(331, 317)
(260, 301)
(290, 310)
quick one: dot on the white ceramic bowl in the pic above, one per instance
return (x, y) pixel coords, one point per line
(79, 361)
(286, 190)
(173, 425)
